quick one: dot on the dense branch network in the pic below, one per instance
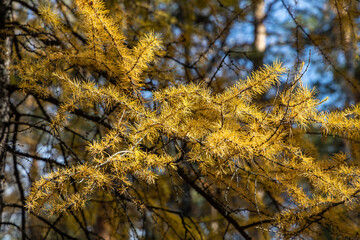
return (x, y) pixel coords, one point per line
(121, 135)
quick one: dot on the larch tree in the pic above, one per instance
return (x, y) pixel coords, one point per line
(126, 133)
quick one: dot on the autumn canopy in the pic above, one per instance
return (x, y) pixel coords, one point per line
(125, 121)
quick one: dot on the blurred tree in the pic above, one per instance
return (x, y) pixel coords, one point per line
(5, 53)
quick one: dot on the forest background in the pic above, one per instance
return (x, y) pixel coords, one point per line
(137, 119)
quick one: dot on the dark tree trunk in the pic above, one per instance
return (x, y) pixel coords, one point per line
(5, 52)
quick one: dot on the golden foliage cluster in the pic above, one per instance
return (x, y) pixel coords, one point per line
(226, 134)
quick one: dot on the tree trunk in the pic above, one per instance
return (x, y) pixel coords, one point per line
(259, 33)
(5, 53)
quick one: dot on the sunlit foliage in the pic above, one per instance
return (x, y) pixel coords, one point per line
(234, 141)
